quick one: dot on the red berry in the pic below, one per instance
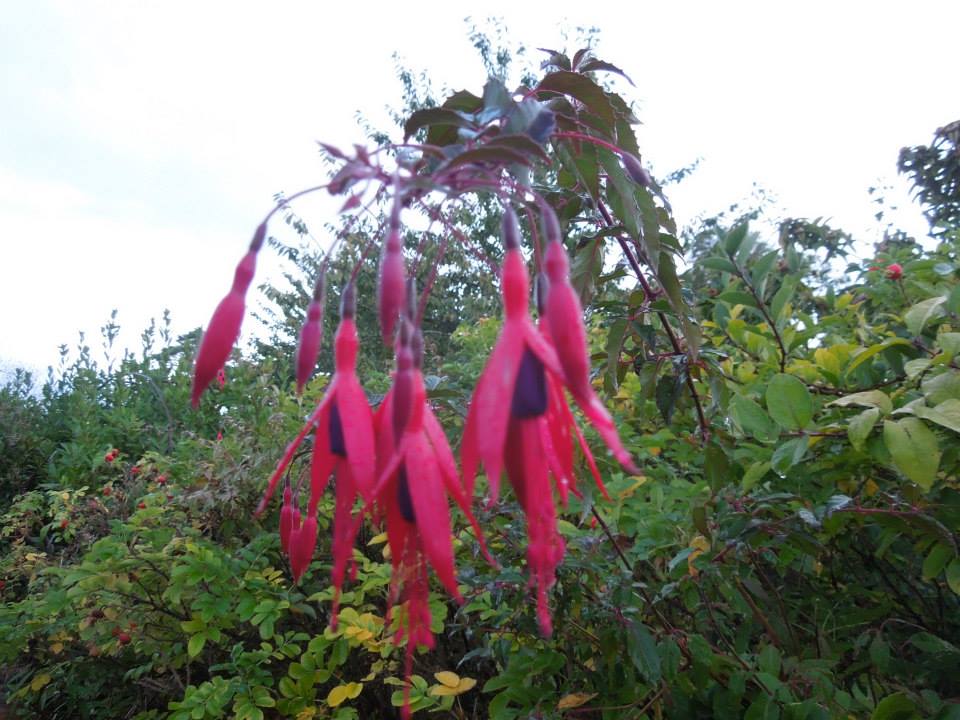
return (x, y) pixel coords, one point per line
(109, 457)
(141, 505)
(135, 470)
(64, 523)
(169, 496)
(107, 491)
(162, 480)
(894, 271)
(123, 638)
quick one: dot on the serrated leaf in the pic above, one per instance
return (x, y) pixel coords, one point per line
(583, 89)
(789, 402)
(861, 426)
(432, 116)
(920, 314)
(914, 450)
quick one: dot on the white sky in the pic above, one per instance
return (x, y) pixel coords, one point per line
(140, 142)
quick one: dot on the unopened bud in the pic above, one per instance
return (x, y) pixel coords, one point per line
(631, 163)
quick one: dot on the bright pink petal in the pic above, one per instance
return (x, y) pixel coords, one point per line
(302, 544)
(431, 510)
(343, 529)
(356, 417)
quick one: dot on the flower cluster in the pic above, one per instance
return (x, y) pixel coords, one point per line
(395, 464)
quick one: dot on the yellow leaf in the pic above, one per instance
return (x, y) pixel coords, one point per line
(65, 496)
(39, 682)
(700, 545)
(574, 700)
(387, 554)
(870, 488)
(378, 539)
(56, 648)
(307, 713)
(450, 679)
(337, 695)
(462, 685)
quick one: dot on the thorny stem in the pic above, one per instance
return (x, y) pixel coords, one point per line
(701, 417)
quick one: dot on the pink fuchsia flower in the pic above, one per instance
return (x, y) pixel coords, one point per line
(391, 282)
(221, 377)
(224, 327)
(417, 473)
(569, 337)
(559, 426)
(894, 271)
(309, 347)
(343, 444)
(506, 425)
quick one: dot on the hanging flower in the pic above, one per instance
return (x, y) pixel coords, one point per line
(417, 472)
(310, 334)
(343, 444)
(224, 327)
(569, 337)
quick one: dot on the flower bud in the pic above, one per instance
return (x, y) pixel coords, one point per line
(631, 163)
(565, 320)
(894, 271)
(223, 330)
(391, 284)
(310, 336)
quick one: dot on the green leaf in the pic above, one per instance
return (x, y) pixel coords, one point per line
(868, 398)
(719, 263)
(731, 243)
(895, 707)
(946, 414)
(752, 419)
(761, 269)
(736, 297)
(781, 300)
(583, 89)
(953, 575)
(921, 313)
(614, 345)
(949, 342)
(789, 454)
(643, 652)
(944, 386)
(196, 643)
(754, 474)
(861, 426)
(914, 450)
(873, 350)
(789, 402)
(432, 116)
(936, 560)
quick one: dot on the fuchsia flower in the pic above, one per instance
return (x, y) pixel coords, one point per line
(417, 471)
(224, 327)
(309, 347)
(565, 320)
(391, 283)
(894, 271)
(519, 420)
(344, 445)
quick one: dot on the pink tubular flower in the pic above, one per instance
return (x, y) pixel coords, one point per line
(417, 472)
(343, 445)
(224, 327)
(309, 347)
(565, 321)
(391, 283)
(506, 425)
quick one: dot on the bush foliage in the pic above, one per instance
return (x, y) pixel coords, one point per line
(789, 551)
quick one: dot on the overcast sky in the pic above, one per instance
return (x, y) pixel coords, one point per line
(140, 142)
